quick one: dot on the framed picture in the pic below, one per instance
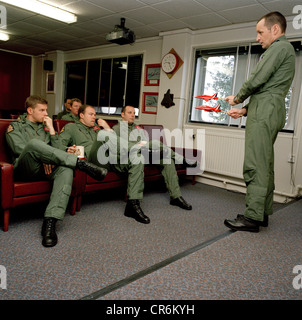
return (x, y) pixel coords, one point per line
(150, 100)
(50, 82)
(152, 74)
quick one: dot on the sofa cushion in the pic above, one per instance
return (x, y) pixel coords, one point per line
(111, 176)
(22, 189)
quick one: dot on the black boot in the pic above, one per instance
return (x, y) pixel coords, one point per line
(133, 210)
(263, 223)
(92, 170)
(181, 202)
(241, 223)
(48, 232)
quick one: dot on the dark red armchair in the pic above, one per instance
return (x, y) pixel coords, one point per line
(17, 193)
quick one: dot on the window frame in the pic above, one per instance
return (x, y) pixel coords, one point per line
(127, 96)
(253, 48)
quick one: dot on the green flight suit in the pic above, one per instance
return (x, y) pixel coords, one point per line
(267, 85)
(167, 165)
(61, 114)
(31, 146)
(79, 134)
(70, 117)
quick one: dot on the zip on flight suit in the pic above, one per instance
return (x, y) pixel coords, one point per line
(70, 117)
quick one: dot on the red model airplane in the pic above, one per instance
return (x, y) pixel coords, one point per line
(207, 97)
(211, 109)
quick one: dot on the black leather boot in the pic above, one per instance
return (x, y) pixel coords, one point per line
(181, 202)
(241, 223)
(91, 169)
(133, 210)
(263, 223)
(48, 232)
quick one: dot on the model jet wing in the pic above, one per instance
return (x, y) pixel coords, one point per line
(211, 109)
(206, 97)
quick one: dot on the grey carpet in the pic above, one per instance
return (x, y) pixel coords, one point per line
(243, 266)
(101, 254)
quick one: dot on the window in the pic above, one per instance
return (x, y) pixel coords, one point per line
(105, 84)
(224, 70)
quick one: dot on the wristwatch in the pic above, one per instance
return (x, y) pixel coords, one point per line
(236, 100)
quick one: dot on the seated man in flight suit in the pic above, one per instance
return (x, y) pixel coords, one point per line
(32, 139)
(73, 114)
(67, 105)
(168, 167)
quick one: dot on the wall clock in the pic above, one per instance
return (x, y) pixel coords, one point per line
(169, 62)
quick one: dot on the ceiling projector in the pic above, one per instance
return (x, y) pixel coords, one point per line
(120, 34)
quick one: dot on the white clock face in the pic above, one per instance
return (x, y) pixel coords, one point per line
(169, 62)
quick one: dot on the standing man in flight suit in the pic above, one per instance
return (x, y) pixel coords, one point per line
(31, 139)
(84, 132)
(267, 86)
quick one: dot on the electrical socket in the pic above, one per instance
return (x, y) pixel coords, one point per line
(291, 158)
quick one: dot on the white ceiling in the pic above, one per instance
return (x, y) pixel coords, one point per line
(34, 34)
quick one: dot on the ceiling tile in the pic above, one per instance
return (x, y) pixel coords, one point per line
(141, 31)
(147, 15)
(115, 19)
(76, 31)
(152, 2)
(218, 5)
(56, 36)
(177, 10)
(169, 25)
(117, 5)
(86, 10)
(45, 22)
(24, 28)
(244, 14)
(16, 14)
(94, 26)
(205, 21)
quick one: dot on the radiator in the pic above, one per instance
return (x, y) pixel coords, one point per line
(224, 154)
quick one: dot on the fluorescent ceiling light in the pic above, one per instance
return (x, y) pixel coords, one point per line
(3, 36)
(44, 9)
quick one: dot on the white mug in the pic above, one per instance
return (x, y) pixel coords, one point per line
(80, 151)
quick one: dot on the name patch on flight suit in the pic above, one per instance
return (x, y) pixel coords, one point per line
(10, 128)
